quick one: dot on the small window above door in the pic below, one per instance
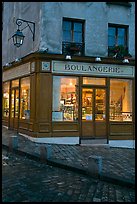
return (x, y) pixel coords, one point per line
(94, 81)
(15, 83)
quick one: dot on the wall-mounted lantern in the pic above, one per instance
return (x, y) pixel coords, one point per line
(18, 37)
(68, 57)
(98, 59)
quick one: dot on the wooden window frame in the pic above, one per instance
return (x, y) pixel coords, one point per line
(116, 26)
(112, 49)
(72, 27)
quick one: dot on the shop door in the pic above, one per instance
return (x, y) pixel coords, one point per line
(14, 109)
(94, 113)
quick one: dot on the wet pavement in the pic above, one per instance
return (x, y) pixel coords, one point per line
(118, 164)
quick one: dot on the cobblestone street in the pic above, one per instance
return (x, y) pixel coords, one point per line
(25, 180)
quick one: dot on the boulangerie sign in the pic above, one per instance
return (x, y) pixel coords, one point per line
(92, 69)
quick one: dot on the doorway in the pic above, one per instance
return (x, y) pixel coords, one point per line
(14, 108)
(94, 112)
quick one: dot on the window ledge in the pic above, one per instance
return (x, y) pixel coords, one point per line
(127, 4)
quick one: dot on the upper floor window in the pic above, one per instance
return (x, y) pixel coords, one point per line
(72, 31)
(127, 3)
(117, 39)
(73, 36)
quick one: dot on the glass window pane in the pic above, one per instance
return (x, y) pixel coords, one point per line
(25, 98)
(121, 41)
(121, 36)
(78, 27)
(77, 37)
(111, 41)
(16, 102)
(112, 31)
(65, 99)
(87, 103)
(67, 36)
(6, 87)
(100, 104)
(111, 36)
(66, 25)
(120, 100)
(121, 32)
(12, 103)
(94, 81)
(15, 83)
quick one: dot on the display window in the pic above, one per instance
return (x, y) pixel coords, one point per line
(6, 87)
(65, 98)
(120, 100)
(14, 98)
(25, 98)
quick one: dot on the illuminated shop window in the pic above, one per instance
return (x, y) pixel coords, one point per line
(65, 99)
(6, 99)
(120, 100)
(14, 98)
(25, 98)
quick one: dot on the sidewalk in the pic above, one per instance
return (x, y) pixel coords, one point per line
(118, 164)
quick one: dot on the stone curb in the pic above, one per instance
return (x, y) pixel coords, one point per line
(60, 164)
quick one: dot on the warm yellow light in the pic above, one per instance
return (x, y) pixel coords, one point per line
(70, 84)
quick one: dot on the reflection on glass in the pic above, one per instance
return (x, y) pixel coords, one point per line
(65, 99)
(100, 104)
(111, 36)
(78, 32)
(121, 34)
(25, 98)
(120, 100)
(6, 99)
(87, 101)
(67, 31)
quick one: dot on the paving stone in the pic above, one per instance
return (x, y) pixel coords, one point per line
(27, 176)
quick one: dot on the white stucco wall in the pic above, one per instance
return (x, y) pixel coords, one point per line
(48, 18)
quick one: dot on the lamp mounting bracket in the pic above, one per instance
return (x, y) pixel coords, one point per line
(19, 22)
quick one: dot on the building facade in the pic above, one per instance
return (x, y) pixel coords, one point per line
(76, 79)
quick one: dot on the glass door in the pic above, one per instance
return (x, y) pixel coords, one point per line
(100, 104)
(94, 112)
(87, 104)
(14, 103)
(14, 107)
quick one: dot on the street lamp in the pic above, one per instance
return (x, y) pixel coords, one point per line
(18, 37)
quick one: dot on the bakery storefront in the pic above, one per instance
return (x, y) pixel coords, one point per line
(66, 101)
